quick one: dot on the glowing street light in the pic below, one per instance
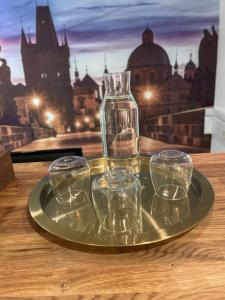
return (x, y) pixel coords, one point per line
(36, 102)
(78, 124)
(86, 120)
(97, 115)
(50, 117)
(148, 95)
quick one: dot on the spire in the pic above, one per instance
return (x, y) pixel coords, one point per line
(215, 34)
(23, 36)
(86, 69)
(29, 38)
(62, 40)
(176, 65)
(77, 82)
(76, 70)
(190, 56)
(106, 69)
(23, 39)
(65, 37)
(45, 30)
(21, 22)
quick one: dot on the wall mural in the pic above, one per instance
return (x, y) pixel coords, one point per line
(54, 55)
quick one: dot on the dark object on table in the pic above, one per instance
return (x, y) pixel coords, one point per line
(6, 169)
(44, 155)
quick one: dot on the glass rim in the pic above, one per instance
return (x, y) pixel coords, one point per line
(170, 155)
(67, 163)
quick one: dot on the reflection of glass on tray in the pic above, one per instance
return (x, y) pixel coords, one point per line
(81, 218)
(167, 213)
(171, 172)
(117, 200)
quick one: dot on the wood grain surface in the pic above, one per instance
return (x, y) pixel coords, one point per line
(36, 265)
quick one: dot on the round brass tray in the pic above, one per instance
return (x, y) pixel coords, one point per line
(159, 219)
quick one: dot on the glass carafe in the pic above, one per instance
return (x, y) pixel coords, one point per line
(119, 123)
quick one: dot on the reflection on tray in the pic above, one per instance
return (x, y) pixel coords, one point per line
(169, 212)
(82, 219)
(157, 218)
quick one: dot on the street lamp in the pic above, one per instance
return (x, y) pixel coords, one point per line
(36, 102)
(86, 120)
(148, 94)
(78, 124)
(50, 117)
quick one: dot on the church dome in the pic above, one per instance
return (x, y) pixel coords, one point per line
(190, 65)
(148, 53)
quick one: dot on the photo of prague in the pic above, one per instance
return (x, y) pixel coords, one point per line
(54, 56)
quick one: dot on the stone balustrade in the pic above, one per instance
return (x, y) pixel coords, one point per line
(13, 137)
(184, 128)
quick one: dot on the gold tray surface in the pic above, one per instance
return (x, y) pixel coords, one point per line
(159, 219)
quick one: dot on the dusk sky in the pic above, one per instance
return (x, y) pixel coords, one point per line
(113, 28)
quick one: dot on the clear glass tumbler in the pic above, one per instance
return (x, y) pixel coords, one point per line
(70, 180)
(171, 173)
(119, 123)
(117, 200)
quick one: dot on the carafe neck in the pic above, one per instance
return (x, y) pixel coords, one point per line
(117, 84)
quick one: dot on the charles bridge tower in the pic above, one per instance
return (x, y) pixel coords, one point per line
(46, 67)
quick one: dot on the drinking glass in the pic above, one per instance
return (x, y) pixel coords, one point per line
(117, 200)
(69, 177)
(171, 173)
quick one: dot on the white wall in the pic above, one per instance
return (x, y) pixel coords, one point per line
(215, 117)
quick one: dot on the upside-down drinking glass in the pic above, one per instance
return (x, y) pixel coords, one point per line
(117, 200)
(69, 177)
(171, 173)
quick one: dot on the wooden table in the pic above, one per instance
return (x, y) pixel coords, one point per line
(33, 263)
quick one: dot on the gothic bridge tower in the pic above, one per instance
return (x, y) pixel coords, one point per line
(47, 69)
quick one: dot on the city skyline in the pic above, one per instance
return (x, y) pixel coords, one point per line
(95, 29)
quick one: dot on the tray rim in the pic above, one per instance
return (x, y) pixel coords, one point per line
(40, 217)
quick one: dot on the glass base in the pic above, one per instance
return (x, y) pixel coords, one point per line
(171, 192)
(131, 164)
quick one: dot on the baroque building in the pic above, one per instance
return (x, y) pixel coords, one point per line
(86, 102)
(149, 63)
(153, 85)
(190, 70)
(47, 70)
